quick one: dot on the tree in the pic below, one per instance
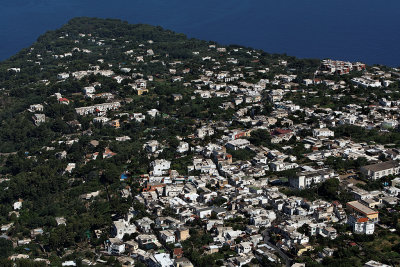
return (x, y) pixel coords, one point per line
(110, 175)
(260, 137)
(241, 154)
(6, 248)
(304, 229)
(329, 188)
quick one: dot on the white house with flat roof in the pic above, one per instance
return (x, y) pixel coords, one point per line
(379, 170)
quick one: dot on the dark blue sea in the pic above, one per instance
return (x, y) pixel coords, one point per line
(356, 30)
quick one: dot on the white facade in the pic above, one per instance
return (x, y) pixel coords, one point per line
(379, 170)
(139, 117)
(308, 178)
(151, 146)
(101, 120)
(89, 90)
(361, 225)
(100, 107)
(38, 119)
(161, 260)
(146, 239)
(160, 166)
(203, 213)
(323, 132)
(183, 147)
(153, 112)
(244, 248)
(204, 131)
(238, 144)
(122, 227)
(115, 246)
(282, 166)
(17, 205)
(36, 107)
(167, 236)
(375, 264)
(62, 76)
(366, 82)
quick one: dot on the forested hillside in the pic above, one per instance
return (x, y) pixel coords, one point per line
(104, 124)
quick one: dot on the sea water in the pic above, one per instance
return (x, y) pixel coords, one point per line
(355, 30)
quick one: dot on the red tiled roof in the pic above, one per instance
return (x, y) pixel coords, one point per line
(279, 131)
(178, 251)
(362, 220)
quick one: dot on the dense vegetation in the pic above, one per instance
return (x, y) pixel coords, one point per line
(32, 169)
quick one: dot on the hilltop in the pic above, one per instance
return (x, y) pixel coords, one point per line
(124, 143)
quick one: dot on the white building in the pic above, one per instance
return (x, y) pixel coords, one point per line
(366, 82)
(89, 90)
(167, 236)
(38, 119)
(153, 112)
(238, 144)
(101, 120)
(14, 69)
(62, 76)
(70, 167)
(349, 119)
(145, 239)
(244, 248)
(204, 131)
(306, 179)
(17, 205)
(323, 132)
(123, 227)
(122, 138)
(98, 108)
(161, 260)
(36, 108)
(115, 246)
(160, 166)
(183, 147)
(379, 170)
(139, 117)
(151, 146)
(307, 82)
(328, 232)
(204, 212)
(278, 166)
(361, 225)
(372, 263)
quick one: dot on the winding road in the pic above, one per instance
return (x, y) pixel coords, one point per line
(287, 259)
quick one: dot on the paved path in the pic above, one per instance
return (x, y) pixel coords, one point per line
(287, 259)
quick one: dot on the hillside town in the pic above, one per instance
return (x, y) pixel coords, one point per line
(221, 156)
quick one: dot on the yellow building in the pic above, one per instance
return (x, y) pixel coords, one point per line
(300, 249)
(141, 91)
(183, 234)
(115, 123)
(360, 209)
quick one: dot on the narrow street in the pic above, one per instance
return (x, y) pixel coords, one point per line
(287, 259)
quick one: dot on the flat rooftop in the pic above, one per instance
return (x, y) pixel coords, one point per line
(361, 208)
(382, 166)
